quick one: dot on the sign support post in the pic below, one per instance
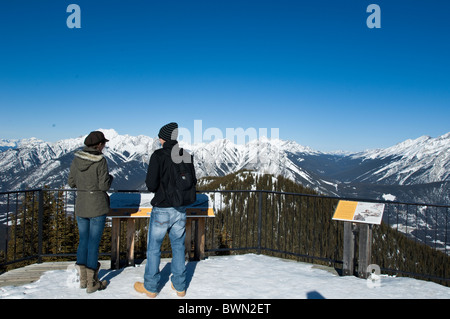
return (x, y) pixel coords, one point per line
(365, 249)
(349, 249)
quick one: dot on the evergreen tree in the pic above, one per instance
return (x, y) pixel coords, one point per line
(23, 229)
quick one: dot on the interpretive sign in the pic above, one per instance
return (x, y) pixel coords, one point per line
(128, 206)
(359, 212)
(139, 205)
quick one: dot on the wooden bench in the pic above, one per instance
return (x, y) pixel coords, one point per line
(126, 207)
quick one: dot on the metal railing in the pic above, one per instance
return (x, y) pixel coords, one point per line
(37, 225)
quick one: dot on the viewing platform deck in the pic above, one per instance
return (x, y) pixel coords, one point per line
(248, 276)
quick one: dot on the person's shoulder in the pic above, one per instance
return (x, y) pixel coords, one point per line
(159, 154)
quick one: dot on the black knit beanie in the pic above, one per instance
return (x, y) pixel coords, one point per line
(169, 132)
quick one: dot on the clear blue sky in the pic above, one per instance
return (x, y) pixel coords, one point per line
(313, 69)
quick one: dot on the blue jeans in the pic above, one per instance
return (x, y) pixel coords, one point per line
(172, 219)
(91, 231)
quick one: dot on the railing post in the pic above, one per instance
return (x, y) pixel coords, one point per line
(259, 220)
(40, 224)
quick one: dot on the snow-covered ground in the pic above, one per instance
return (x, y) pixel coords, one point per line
(233, 277)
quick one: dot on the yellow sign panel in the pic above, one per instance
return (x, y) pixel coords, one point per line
(345, 210)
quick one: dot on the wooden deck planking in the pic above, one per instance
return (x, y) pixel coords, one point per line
(32, 273)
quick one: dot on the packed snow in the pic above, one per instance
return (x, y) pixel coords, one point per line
(389, 197)
(233, 277)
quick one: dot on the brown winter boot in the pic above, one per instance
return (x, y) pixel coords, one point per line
(93, 284)
(139, 287)
(179, 293)
(81, 275)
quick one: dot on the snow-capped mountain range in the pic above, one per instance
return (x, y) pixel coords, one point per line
(423, 160)
(414, 170)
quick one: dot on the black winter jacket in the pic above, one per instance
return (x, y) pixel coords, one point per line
(157, 179)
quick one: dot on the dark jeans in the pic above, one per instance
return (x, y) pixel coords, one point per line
(91, 231)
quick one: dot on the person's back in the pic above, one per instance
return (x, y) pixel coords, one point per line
(166, 165)
(89, 174)
(165, 217)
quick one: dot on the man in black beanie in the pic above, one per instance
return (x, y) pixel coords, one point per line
(168, 212)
